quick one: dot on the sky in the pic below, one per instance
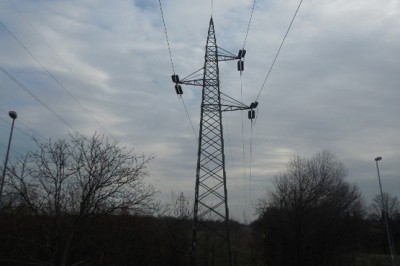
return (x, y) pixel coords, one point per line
(104, 66)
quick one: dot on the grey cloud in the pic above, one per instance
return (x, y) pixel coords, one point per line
(334, 85)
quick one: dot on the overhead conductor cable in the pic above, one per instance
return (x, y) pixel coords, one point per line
(279, 49)
(175, 77)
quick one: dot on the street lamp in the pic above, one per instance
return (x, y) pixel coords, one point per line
(13, 115)
(385, 212)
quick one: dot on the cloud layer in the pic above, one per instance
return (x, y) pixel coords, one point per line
(334, 86)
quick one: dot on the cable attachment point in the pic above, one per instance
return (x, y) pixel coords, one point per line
(253, 105)
(252, 112)
(178, 88)
(241, 53)
(240, 63)
(240, 56)
(175, 78)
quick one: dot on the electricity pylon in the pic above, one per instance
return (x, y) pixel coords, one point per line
(211, 234)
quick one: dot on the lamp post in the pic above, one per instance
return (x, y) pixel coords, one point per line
(13, 115)
(385, 213)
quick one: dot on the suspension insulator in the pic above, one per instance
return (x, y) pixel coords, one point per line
(175, 78)
(178, 89)
(240, 65)
(241, 53)
(253, 105)
(252, 114)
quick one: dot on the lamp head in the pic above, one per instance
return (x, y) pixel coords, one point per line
(12, 114)
(378, 159)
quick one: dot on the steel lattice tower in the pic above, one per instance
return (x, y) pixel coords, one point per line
(211, 234)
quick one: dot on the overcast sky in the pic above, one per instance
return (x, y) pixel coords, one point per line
(104, 66)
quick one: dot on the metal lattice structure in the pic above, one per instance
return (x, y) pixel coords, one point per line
(211, 234)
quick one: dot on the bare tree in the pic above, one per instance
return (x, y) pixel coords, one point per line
(386, 202)
(303, 216)
(77, 180)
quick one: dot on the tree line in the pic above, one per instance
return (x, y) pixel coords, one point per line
(85, 201)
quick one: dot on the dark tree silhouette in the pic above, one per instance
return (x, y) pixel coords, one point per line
(69, 182)
(386, 202)
(305, 218)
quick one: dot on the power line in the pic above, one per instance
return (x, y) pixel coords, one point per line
(166, 37)
(279, 49)
(259, 93)
(53, 77)
(20, 130)
(11, 149)
(246, 195)
(53, 50)
(23, 132)
(248, 25)
(194, 131)
(172, 66)
(22, 86)
(251, 161)
(243, 145)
